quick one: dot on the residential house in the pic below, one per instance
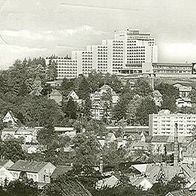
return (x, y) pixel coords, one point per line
(36, 87)
(183, 102)
(189, 154)
(27, 134)
(38, 171)
(158, 98)
(98, 103)
(10, 118)
(72, 94)
(5, 176)
(184, 90)
(141, 182)
(65, 131)
(55, 83)
(109, 182)
(56, 96)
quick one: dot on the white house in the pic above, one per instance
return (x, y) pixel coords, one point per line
(38, 171)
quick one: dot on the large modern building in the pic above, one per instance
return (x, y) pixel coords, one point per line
(163, 123)
(128, 50)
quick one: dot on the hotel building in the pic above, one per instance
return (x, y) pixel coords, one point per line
(128, 50)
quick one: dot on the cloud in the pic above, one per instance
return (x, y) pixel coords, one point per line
(49, 35)
(9, 53)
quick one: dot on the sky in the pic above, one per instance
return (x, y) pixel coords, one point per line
(32, 28)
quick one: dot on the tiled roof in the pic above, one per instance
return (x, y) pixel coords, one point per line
(28, 166)
(60, 170)
(3, 162)
(69, 188)
(160, 138)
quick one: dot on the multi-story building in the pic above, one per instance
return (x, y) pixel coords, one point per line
(163, 123)
(129, 49)
(172, 68)
(66, 67)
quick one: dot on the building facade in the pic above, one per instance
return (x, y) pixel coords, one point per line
(163, 123)
(129, 49)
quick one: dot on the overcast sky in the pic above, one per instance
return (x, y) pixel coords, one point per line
(44, 27)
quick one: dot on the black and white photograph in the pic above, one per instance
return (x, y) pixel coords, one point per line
(97, 98)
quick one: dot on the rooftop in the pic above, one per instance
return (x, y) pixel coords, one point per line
(28, 166)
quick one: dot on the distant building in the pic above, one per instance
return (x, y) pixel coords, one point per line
(163, 123)
(38, 171)
(128, 49)
(172, 69)
(56, 96)
(66, 67)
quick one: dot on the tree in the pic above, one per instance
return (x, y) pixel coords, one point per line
(40, 111)
(22, 187)
(52, 70)
(142, 88)
(146, 107)
(170, 94)
(67, 86)
(106, 100)
(114, 82)
(47, 136)
(132, 109)
(70, 108)
(87, 150)
(192, 95)
(12, 149)
(95, 80)
(84, 89)
(112, 155)
(87, 108)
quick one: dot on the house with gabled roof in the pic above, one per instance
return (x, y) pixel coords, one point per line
(10, 118)
(56, 96)
(38, 171)
(72, 94)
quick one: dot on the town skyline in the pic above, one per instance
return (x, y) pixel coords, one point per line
(67, 26)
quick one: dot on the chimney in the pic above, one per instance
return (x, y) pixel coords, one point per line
(176, 154)
(101, 165)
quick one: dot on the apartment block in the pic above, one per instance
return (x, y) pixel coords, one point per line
(163, 123)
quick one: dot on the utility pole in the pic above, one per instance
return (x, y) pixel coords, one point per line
(176, 154)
